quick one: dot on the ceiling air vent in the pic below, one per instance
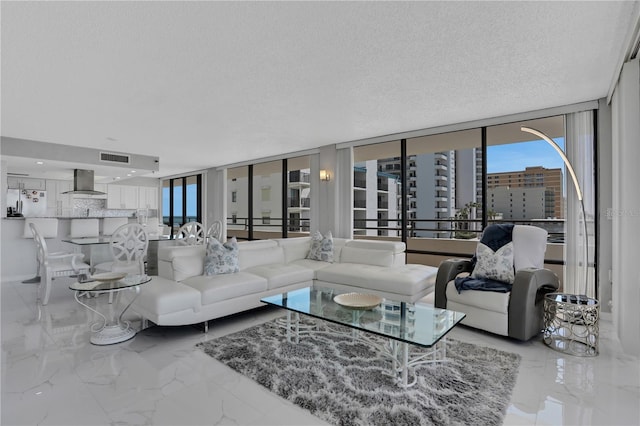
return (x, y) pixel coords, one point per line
(114, 158)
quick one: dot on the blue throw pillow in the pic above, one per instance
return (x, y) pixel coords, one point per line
(221, 258)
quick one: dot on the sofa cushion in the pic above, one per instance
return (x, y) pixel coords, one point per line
(405, 279)
(265, 253)
(221, 258)
(187, 266)
(487, 300)
(314, 265)
(366, 256)
(281, 275)
(217, 288)
(294, 248)
(162, 296)
(392, 246)
(321, 247)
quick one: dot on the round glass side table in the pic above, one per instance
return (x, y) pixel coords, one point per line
(112, 329)
(571, 323)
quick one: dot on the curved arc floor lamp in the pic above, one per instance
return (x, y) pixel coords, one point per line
(576, 185)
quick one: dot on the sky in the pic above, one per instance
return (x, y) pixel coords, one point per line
(177, 208)
(517, 156)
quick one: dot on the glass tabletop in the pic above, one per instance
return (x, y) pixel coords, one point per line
(416, 323)
(126, 282)
(572, 299)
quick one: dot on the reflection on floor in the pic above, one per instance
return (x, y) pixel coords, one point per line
(52, 375)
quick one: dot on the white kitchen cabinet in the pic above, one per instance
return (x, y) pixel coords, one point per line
(58, 203)
(148, 197)
(14, 182)
(122, 197)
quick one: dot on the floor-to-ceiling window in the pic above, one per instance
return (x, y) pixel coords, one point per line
(270, 199)
(238, 202)
(181, 201)
(453, 184)
(526, 181)
(377, 190)
(298, 196)
(267, 200)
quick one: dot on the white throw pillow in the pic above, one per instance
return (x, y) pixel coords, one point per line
(321, 247)
(221, 258)
(496, 265)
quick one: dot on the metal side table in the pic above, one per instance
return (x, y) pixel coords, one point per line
(112, 329)
(571, 323)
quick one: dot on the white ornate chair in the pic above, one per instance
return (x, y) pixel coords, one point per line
(54, 265)
(129, 244)
(215, 230)
(517, 313)
(48, 228)
(190, 234)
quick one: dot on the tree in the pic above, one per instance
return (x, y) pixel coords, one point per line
(461, 224)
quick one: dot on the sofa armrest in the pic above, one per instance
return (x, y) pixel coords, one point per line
(525, 304)
(447, 271)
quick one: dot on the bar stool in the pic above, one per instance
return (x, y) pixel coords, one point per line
(48, 229)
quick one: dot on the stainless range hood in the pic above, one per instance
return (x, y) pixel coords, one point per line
(83, 183)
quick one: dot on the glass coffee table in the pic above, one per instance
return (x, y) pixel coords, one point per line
(112, 329)
(401, 325)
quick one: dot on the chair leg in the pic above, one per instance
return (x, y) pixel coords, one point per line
(46, 281)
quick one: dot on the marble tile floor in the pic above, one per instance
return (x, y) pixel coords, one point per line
(52, 375)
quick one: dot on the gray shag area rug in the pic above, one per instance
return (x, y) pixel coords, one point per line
(346, 382)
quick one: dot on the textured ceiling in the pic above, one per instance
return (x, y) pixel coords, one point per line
(203, 84)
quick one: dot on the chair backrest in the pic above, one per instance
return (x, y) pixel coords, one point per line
(81, 228)
(529, 246)
(129, 244)
(41, 244)
(215, 230)
(110, 224)
(191, 233)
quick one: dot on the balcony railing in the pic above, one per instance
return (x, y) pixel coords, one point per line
(360, 183)
(299, 202)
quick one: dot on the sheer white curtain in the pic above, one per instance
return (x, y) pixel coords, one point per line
(579, 148)
(625, 208)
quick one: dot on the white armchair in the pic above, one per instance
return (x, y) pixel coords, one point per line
(53, 265)
(517, 313)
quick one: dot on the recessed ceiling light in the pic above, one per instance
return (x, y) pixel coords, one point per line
(133, 171)
(128, 174)
(117, 177)
(40, 163)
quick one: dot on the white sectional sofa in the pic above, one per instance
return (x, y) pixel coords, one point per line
(182, 295)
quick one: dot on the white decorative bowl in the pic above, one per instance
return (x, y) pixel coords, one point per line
(358, 300)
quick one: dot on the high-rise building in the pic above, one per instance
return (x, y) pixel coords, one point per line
(375, 200)
(534, 177)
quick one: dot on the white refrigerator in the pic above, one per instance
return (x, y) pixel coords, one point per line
(28, 202)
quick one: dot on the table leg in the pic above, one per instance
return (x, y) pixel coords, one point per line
(114, 329)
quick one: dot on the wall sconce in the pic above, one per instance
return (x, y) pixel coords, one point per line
(325, 176)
